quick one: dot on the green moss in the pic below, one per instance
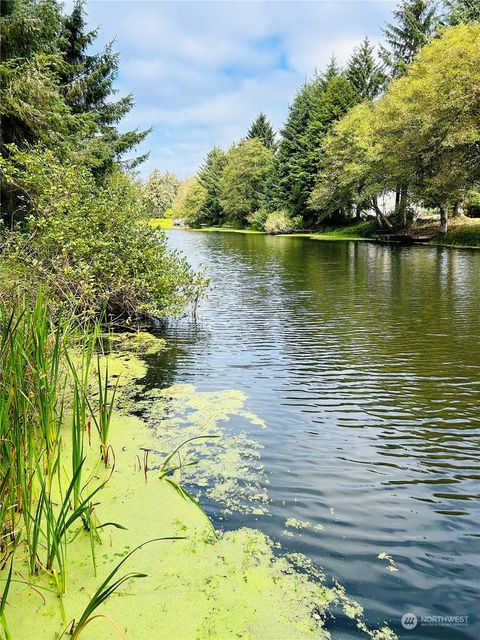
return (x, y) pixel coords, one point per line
(228, 469)
(293, 523)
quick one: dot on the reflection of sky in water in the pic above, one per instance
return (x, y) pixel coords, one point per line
(364, 361)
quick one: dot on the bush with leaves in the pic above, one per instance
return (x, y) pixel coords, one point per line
(245, 180)
(189, 203)
(90, 243)
(159, 192)
(281, 222)
(257, 219)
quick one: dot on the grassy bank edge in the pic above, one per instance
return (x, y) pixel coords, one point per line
(462, 237)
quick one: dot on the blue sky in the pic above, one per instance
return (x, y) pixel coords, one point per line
(201, 71)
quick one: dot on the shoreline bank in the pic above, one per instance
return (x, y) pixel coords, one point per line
(453, 240)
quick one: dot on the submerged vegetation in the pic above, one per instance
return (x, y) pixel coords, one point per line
(391, 136)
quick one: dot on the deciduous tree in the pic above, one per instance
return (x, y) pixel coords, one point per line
(244, 180)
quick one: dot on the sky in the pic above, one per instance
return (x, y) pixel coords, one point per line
(202, 71)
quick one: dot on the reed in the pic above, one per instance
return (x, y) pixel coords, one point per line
(103, 416)
(38, 380)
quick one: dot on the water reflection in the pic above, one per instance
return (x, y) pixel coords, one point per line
(364, 360)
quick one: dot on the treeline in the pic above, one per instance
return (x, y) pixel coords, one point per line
(71, 211)
(395, 130)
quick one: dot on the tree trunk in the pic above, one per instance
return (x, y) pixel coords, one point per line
(457, 209)
(397, 196)
(443, 220)
(401, 205)
(358, 212)
(384, 222)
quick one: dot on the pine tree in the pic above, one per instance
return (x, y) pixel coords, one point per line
(317, 106)
(332, 71)
(263, 130)
(209, 177)
(364, 73)
(292, 167)
(415, 24)
(465, 11)
(88, 83)
(29, 27)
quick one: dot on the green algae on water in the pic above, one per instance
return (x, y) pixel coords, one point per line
(229, 470)
(293, 523)
(203, 586)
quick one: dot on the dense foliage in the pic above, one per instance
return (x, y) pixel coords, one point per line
(159, 193)
(245, 180)
(392, 133)
(71, 215)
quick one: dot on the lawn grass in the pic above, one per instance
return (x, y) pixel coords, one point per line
(228, 230)
(467, 235)
(160, 223)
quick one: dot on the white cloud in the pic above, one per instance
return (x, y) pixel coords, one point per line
(201, 71)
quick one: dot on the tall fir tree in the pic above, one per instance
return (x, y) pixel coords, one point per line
(316, 107)
(263, 130)
(209, 177)
(415, 23)
(291, 166)
(88, 83)
(364, 73)
(29, 27)
(332, 71)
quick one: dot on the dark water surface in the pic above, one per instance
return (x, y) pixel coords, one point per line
(364, 361)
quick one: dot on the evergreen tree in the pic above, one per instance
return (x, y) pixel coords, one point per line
(88, 82)
(291, 170)
(364, 73)
(332, 71)
(317, 106)
(415, 24)
(210, 176)
(29, 27)
(459, 11)
(263, 130)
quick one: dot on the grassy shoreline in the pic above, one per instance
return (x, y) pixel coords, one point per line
(460, 236)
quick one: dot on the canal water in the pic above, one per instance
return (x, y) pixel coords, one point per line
(364, 362)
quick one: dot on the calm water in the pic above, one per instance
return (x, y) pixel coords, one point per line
(364, 361)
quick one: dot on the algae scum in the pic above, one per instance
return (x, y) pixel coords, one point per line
(205, 584)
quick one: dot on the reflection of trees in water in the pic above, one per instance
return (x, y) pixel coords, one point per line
(353, 334)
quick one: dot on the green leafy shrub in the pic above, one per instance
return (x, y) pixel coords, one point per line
(281, 222)
(257, 219)
(472, 204)
(90, 243)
